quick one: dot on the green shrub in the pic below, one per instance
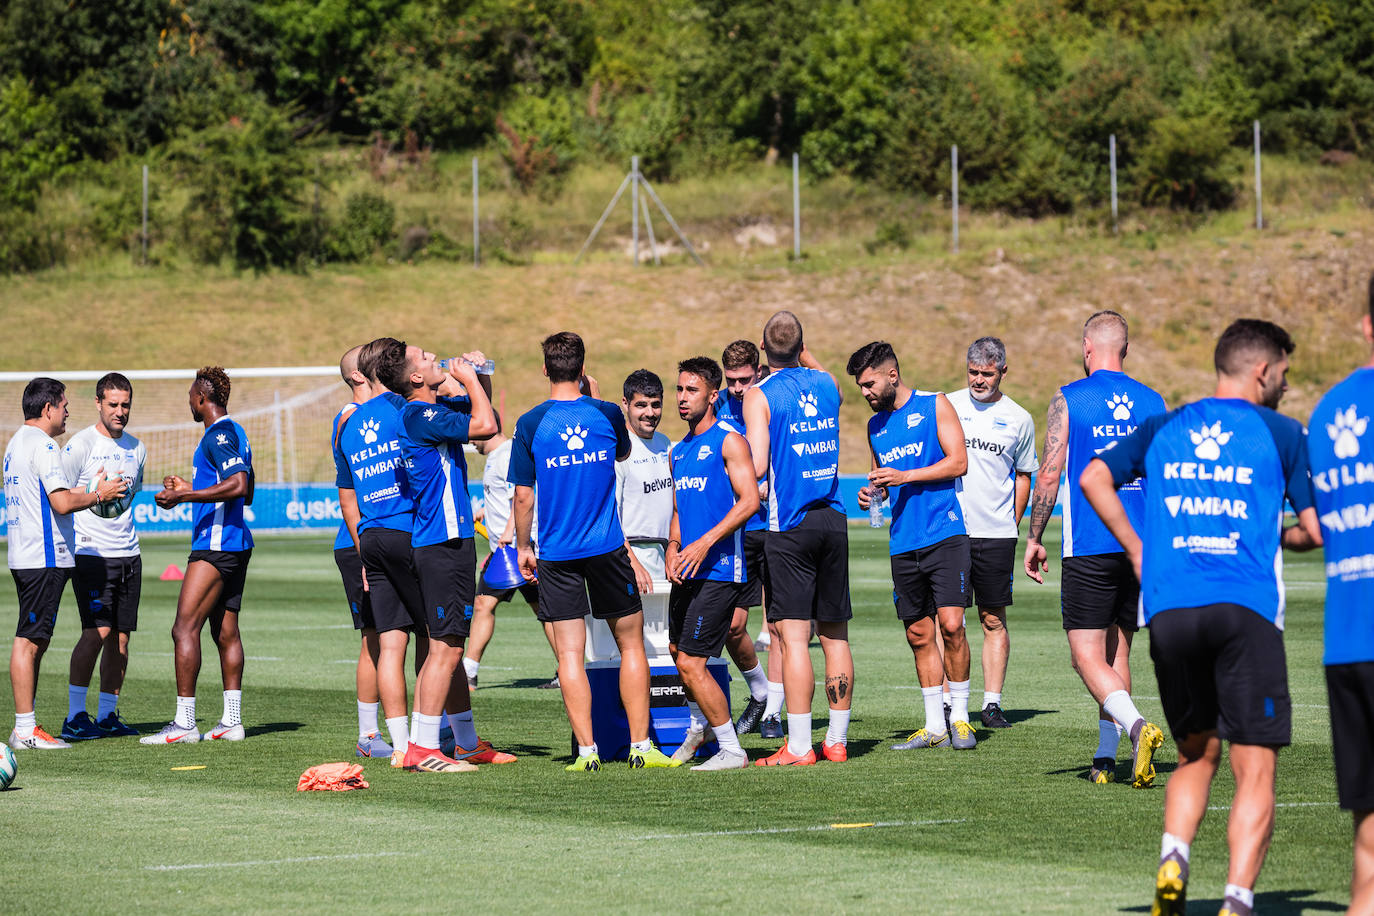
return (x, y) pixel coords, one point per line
(369, 222)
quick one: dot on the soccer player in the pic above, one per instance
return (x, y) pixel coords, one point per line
(350, 564)
(109, 570)
(39, 502)
(434, 429)
(1211, 579)
(568, 445)
(498, 493)
(793, 427)
(715, 495)
(221, 546)
(1341, 449)
(380, 510)
(740, 369)
(1098, 590)
(917, 448)
(644, 481)
(1000, 438)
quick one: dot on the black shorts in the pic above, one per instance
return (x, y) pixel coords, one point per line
(1097, 592)
(359, 601)
(699, 615)
(929, 578)
(448, 585)
(392, 585)
(1351, 691)
(40, 592)
(232, 566)
(992, 569)
(529, 591)
(107, 591)
(1222, 667)
(806, 570)
(603, 586)
(751, 594)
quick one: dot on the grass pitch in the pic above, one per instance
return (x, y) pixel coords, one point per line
(1014, 826)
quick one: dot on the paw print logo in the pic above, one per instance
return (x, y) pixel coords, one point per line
(1346, 432)
(1120, 406)
(1208, 441)
(369, 431)
(573, 435)
(808, 404)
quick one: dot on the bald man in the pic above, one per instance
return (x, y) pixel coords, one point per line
(1099, 592)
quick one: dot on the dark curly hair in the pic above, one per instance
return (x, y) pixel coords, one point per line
(213, 382)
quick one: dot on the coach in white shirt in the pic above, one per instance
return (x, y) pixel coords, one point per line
(39, 500)
(644, 481)
(108, 580)
(1000, 438)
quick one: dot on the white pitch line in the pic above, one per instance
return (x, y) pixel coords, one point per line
(260, 862)
(1281, 805)
(770, 830)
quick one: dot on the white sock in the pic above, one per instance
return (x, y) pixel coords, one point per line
(76, 700)
(186, 712)
(958, 701)
(798, 733)
(765, 638)
(233, 707)
(837, 732)
(642, 745)
(586, 750)
(935, 709)
(24, 724)
(470, 666)
(757, 679)
(1172, 843)
(989, 698)
(367, 719)
(399, 730)
(1108, 737)
(775, 698)
(1119, 706)
(106, 705)
(426, 730)
(1242, 894)
(464, 729)
(698, 722)
(726, 737)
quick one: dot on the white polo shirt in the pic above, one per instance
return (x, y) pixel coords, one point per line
(83, 457)
(39, 538)
(1000, 438)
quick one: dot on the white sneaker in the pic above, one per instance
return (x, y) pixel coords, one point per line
(725, 760)
(172, 733)
(222, 732)
(690, 742)
(764, 641)
(38, 741)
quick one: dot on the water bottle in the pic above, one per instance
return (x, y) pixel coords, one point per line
(486, 368)
(875, 507)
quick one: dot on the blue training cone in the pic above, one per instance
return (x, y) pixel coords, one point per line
(503, 569)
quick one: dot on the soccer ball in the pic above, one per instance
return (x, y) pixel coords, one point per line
(8, 767)
(115, 507)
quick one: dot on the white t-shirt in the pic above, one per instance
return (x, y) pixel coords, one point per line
(644, 488)
(1000, 438)
(83, 456)
(498, 493)
(39, 538)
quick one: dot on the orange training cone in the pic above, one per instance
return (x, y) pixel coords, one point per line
(172, 574)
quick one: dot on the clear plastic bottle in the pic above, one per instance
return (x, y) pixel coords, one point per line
(875, 507)
(486, 368)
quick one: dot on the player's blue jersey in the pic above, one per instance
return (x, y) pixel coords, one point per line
(432, 437)
(803, 444)
(367, 460)
(704, 497)
(1218, 470)
(1104, 407)
(731, 410)
(570, 448)
(222, 453)
(1340, 445)
(342, 539)
(906, 439)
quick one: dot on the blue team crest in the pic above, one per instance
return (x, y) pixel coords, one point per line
(575, 436)
(369, 431)
(1346, 431)
(221, 439)
(914, 420)
(704, 453)
(1208, 441)
(999, 422)
(807, 403)
(1120, 405)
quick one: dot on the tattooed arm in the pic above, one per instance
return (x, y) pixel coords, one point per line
(1047, 485)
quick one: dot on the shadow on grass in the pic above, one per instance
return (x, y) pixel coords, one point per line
(1023, 715)
(529, 682)
(268, 727)
(1293, 901)
(1123, 771)
(860, 747)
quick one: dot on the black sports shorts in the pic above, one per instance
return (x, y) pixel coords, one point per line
(232, 566)
(992, 570)
(751, 595)
(699, 615)
(107, 591)
(1096, 592)
(601, 585)
(1223, 667)
(931, 577)
(392, 585)
(40, 592)
(1351, 691)
(806, 569)
(359, 601)
(448, 585)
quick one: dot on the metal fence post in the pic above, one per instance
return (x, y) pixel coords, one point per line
(1116, 228)
(634, 206)
(954, 195)
(476, 231)
(796, 208)
(1259, 204)
(145, 214)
